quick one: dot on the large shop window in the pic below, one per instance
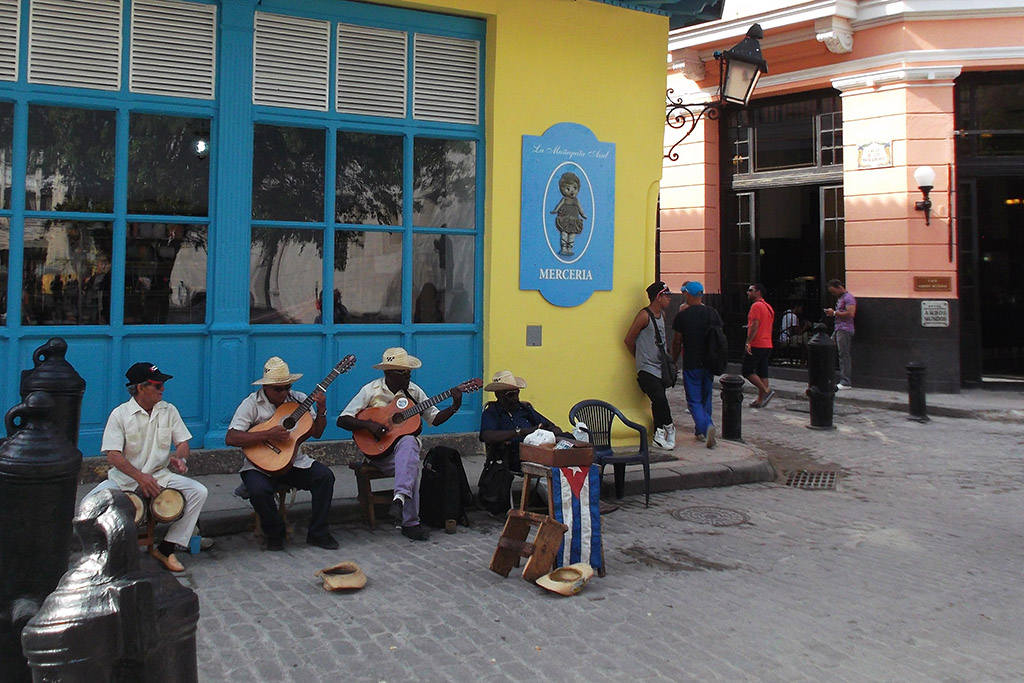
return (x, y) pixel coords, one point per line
(68, 266)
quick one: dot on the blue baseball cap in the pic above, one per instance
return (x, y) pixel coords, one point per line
(694, 288)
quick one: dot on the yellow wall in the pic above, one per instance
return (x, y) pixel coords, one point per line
(602, 66)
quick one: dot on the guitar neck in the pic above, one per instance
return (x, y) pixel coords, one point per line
(420, 407)
(304, 407)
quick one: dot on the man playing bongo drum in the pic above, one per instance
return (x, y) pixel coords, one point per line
(137, 442)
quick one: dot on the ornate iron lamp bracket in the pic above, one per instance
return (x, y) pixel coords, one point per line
(685, 116)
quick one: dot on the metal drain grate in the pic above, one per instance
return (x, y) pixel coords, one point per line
(812, 481)
(708, 514)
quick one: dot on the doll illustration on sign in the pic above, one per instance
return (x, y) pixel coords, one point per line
(570, 216)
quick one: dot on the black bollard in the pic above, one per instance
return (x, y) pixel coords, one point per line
(821, 378)
(916, 391)
(38, 483)
(109, 619)
(732, 407)
(54, 375)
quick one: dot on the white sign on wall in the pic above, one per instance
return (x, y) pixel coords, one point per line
(934, 314)
(874, 155)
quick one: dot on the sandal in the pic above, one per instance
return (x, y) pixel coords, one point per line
(755, 404)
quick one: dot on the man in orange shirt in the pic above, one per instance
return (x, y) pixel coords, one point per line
(758, 349)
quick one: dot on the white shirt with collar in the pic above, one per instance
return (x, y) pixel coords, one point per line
(144, 439)
(256, 409)
(376, 394)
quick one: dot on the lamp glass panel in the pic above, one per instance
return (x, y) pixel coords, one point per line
(740, 79)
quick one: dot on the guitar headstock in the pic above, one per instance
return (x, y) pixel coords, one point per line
(346, 363)
(470, 385)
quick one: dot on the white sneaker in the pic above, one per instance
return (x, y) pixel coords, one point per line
(660, 440)
(711, 437)
(843, 387)
(670, 434)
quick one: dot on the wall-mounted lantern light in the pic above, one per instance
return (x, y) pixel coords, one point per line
(737, 77)
(924, 176)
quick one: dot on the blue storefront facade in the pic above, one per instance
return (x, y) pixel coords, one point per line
(203, 185)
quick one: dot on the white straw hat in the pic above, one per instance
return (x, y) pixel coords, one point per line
(397, 358)
(504, 380)
(275, 372)
(567, 580)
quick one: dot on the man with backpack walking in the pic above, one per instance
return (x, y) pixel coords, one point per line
(696, 334)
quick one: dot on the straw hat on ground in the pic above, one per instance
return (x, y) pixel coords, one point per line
(504, 380)
(275, 372)
(397, 358)
(567, 580)
(343, 576)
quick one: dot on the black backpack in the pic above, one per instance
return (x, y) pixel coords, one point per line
(444, 488)
(716, 347)
(495, 482)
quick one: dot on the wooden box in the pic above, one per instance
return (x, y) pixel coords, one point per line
(580, 455)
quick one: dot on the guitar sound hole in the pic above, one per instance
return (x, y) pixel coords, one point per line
(288, 423)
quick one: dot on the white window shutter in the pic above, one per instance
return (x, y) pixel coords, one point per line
(372, 65)
(10, 22)
(291, 59)
(446, 79)
(173, 48)
(75, 43)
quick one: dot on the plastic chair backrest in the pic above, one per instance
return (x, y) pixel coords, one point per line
(598, 417)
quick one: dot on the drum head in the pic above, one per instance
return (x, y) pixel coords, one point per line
(168, 506)
(140, 508)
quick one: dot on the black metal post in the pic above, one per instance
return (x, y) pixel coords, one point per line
(821, 378)
(54, 375)
(916, 391)
(732, 407)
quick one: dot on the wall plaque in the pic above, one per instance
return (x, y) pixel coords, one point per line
(934, 314)
(930, 283)
(567, 220)
(874, 155)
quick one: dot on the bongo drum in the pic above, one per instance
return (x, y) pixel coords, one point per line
(140, 507)
(168, 506)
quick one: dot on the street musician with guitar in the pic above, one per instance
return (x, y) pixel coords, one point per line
(253, 428)
(392, 449)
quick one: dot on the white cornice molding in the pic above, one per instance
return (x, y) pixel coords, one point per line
(835, 33)
(909, 74)
(689, 64)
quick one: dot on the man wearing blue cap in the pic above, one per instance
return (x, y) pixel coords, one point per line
(691, 327)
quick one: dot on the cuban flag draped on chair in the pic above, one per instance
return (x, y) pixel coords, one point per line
(577, 493)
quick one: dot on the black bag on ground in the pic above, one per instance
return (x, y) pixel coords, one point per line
(716, 347)
(444, 488)
(495, 485)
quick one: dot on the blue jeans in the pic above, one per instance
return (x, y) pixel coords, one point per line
(698, 385)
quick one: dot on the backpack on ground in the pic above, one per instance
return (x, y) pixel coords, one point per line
(495, 484)
(444, 488)
(716, 347)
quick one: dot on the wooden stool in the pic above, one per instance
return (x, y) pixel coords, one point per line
(368, 498)
(513, 544)
(281, 492)
(147, 533)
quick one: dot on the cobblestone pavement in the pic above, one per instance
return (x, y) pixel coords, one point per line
(908, 571)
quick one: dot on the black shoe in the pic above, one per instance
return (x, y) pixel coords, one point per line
(416, 533)
(275, 544)
(327, 542)
(395, 511)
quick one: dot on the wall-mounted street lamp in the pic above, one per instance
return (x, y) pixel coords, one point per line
(743, 66)
(924, 176)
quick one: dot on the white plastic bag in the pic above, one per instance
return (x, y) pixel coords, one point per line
(580, 432)
(539, 437)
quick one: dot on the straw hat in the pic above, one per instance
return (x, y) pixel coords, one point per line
(397, 358)
(567, 580)
(276, 372)
(343, 576)
(505, 381)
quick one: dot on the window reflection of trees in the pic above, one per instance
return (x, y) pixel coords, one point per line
(288, 174)
(165, 273)
(368, 281)
(285, 270)
(369, 179)
(66, 273)
(165, 175)
(444, 183)
(70, 159)
(6, 146)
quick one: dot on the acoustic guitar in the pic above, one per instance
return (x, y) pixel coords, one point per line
(276, 457)
(400, 417)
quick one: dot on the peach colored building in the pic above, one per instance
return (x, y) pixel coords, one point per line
(815, 179)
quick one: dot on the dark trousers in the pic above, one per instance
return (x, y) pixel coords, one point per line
(318, 480)
(655, 391)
